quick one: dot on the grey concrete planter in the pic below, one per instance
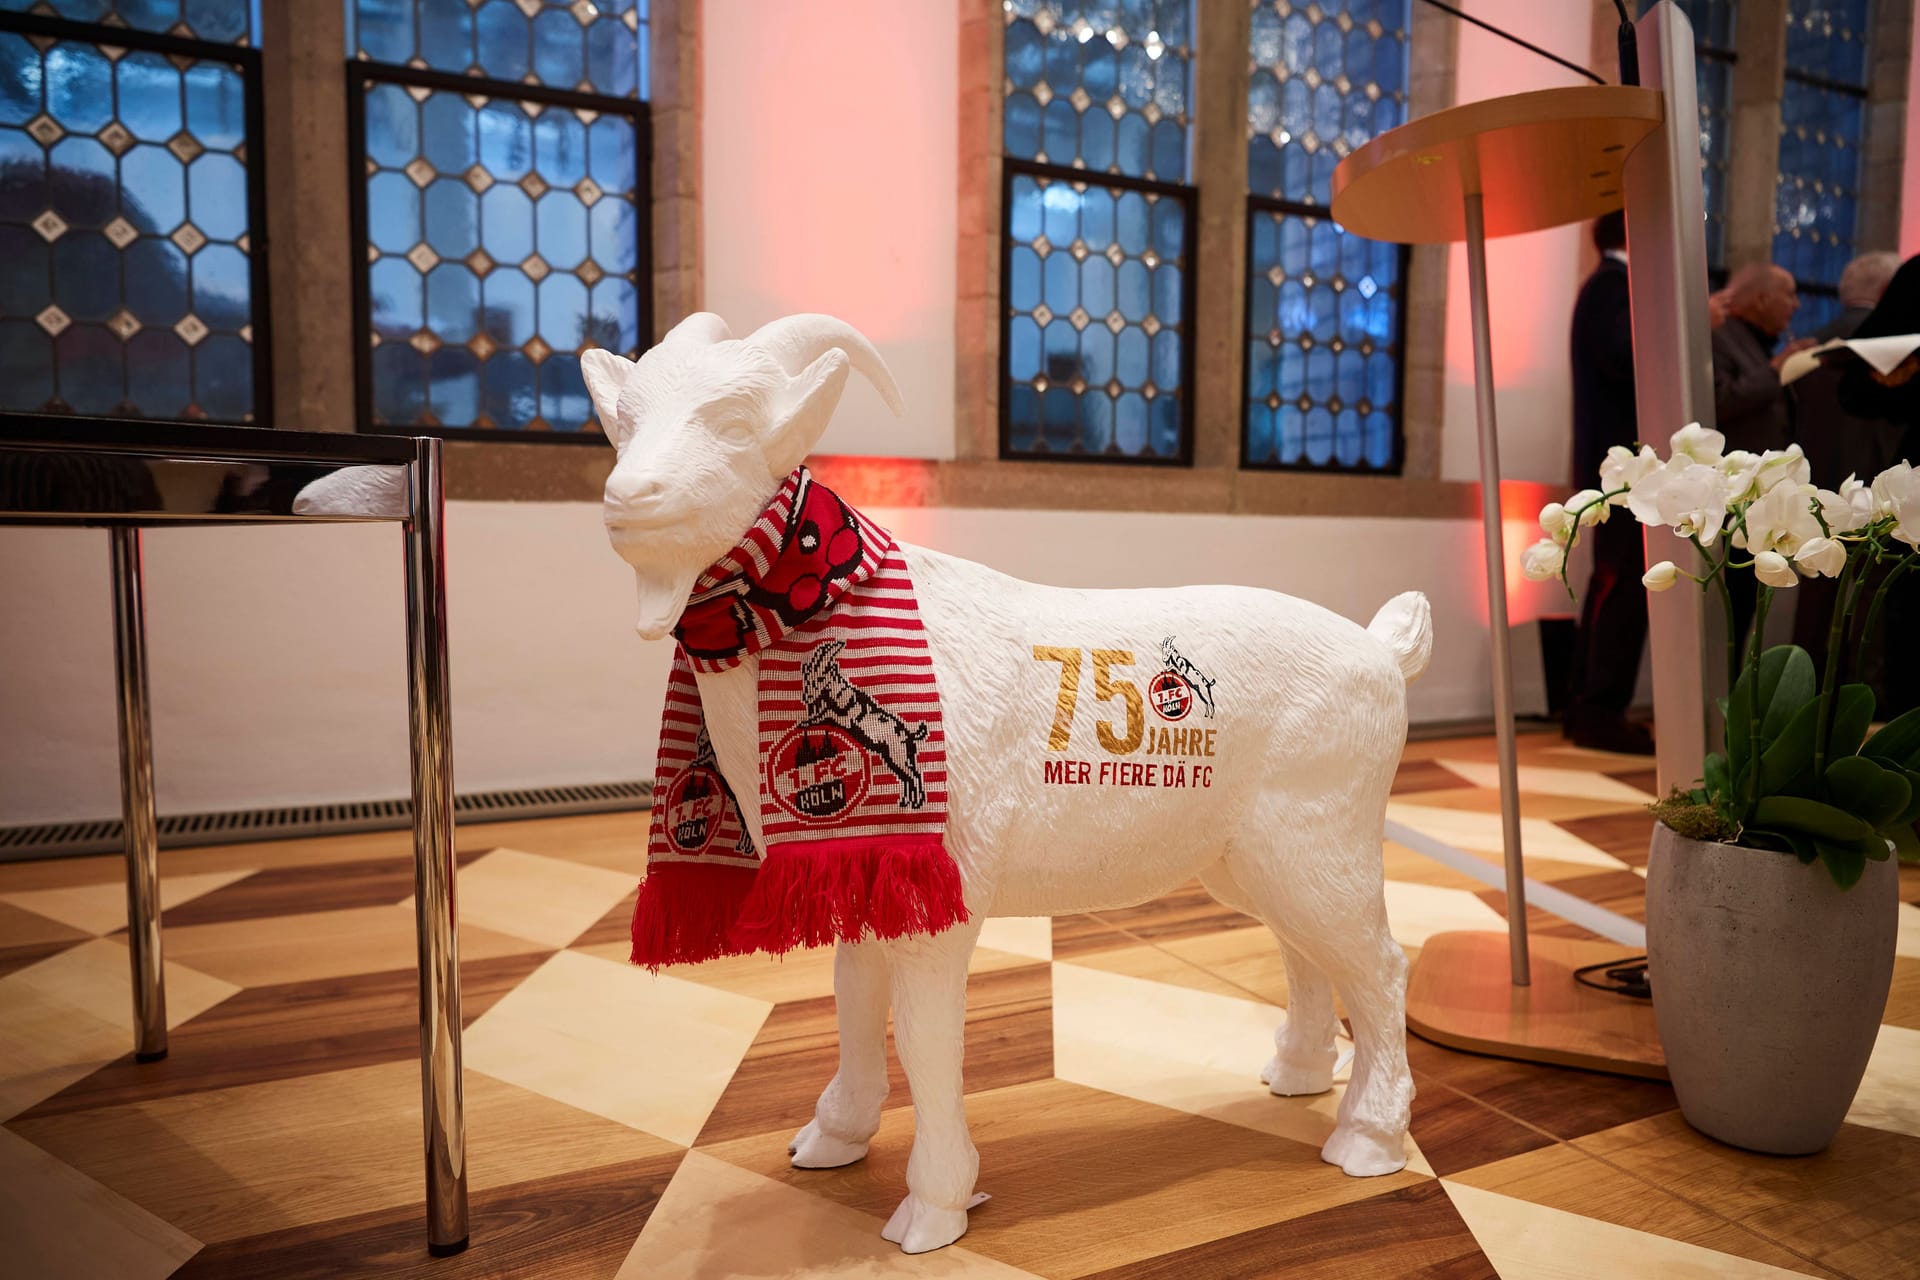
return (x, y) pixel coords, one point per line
(1769, 983)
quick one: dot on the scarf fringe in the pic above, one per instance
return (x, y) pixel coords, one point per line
(825, 891)
(685, 911)
(806, 895)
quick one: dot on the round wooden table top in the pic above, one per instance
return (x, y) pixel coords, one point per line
(1538, 160)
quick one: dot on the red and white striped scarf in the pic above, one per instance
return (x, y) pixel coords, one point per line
(852, 771)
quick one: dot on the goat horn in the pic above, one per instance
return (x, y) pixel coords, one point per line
(797, 341)
(702, 328)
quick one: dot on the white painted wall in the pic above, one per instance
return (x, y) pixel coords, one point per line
(830, 135)
(277, 655)
(1532, 279)
(277, 662)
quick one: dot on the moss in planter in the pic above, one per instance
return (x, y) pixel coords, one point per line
(1687, 817)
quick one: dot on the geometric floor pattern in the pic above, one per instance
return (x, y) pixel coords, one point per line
(624, 1125)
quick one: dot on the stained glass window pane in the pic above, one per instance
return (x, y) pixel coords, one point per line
(1098, 273)
(1714, 58)
(1097, 301)
(593, 46)
(124, 226)
(1101, 85)
(503, 240)
(216, 21)
(1324, 307)
(1822, 127)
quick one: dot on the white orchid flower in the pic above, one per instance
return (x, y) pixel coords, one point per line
(1774, 569)
(1821, 557)
(1661, 576)
(1556, 522)
(1896, 493)
(1698, 443)
(1589, 507)
(1750, 475)
(1781, 519)
(1687, 496)
(1850, 508)
(1541, 561)
(1623, 469)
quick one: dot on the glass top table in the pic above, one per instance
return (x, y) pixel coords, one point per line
(127, 475)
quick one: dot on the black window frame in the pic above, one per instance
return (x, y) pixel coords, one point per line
(246, 59)
(361, 75)
(1259, 206)
(1189, 197)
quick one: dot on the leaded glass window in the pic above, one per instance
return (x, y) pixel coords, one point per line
(1822, 129)
(1096, 340)
(1324, 307)
(504, 208)
(1714, 58)
(128, 211)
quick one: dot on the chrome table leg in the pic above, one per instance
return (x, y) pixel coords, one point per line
(434, 907)
(139, 830)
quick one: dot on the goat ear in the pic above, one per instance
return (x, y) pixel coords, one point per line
(809, 402)
(606, 375)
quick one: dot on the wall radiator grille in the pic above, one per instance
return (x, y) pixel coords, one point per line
(102, 835)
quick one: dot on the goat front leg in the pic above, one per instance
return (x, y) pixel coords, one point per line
(848, 1113)
(929, 1031)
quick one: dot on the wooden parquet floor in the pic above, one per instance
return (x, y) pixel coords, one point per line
(625, 1125)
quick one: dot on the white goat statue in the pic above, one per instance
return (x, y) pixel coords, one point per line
(1281, 814)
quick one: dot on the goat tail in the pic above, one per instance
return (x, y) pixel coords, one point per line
(1405, 625)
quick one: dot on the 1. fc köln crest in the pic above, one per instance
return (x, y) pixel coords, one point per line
(816, 772)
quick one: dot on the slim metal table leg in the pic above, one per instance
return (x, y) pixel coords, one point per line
(140, 831)
(1497, 593)
(434, 907)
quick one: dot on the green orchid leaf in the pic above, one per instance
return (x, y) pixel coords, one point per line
(1898, 740)
(1787, 683)
(1845, 863)
(1804, 848)
(1739, 720)
(1786, 767)
(1911, 814)
(1906, 843)
(1717, 776)
(1809, 817)
(1852, 714)
(1779, 842)
(1874, 795)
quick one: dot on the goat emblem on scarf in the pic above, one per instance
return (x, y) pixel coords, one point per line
(832, 699)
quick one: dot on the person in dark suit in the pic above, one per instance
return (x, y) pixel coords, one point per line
(1749, 404)
(1613, 618)
(1854, 420)
(1861, 285)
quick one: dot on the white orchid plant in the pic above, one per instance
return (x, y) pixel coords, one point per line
(1799, 774)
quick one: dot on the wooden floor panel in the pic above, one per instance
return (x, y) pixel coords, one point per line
(281, 1137)
(572, 1226)
(1413, 1232)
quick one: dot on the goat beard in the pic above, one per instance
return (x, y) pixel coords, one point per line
(663, 598)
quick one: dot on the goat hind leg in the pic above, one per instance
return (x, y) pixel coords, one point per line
(1340, 927)
(848, 1113)
(1304, 1053)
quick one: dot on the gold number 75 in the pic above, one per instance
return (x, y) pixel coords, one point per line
(1104, 689)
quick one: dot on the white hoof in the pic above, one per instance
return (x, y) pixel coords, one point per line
(1291, 1080)
(815, 1148)
(1363, 1155)
(918, 1227)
